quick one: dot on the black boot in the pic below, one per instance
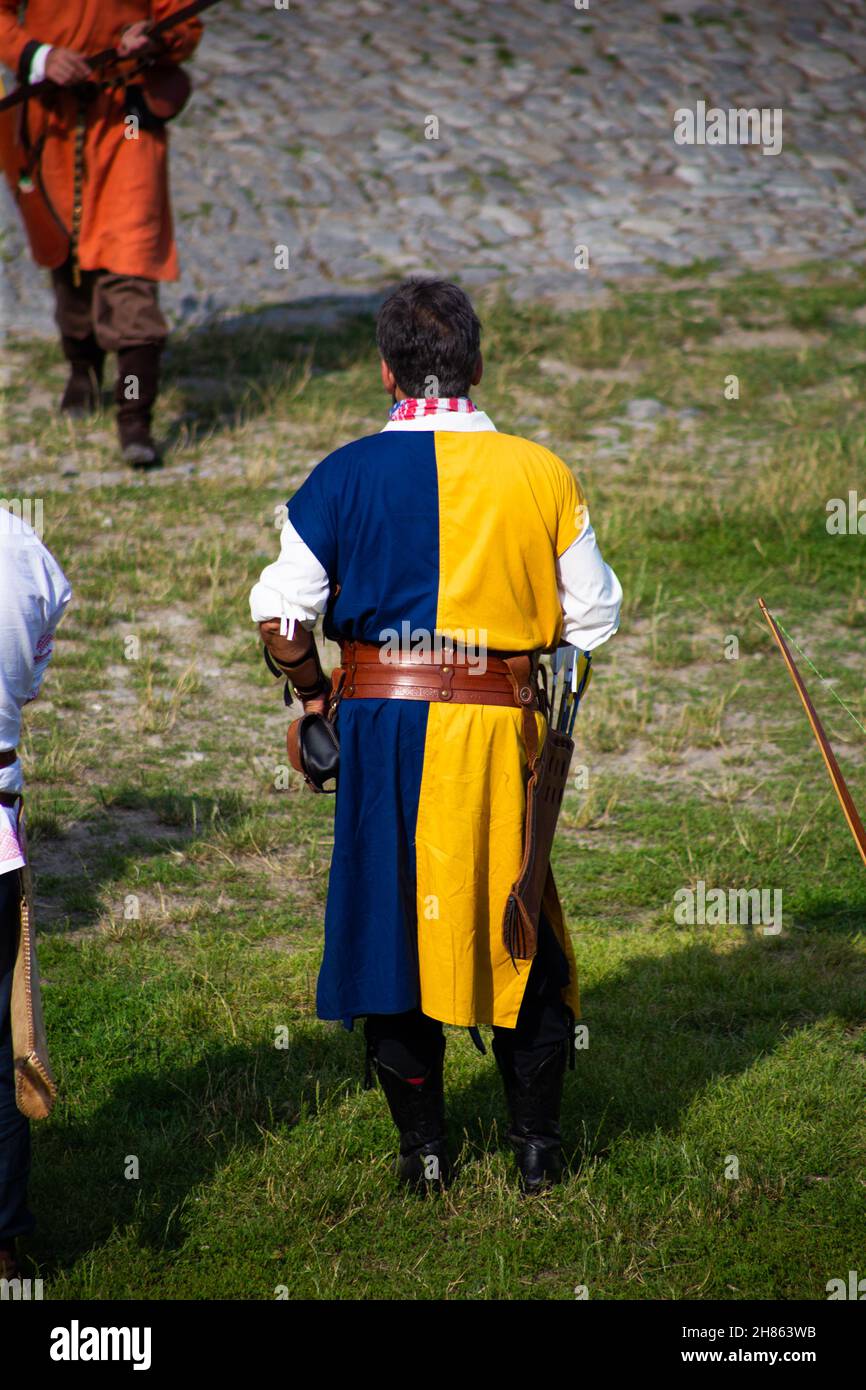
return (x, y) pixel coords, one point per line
(534, 1094)
(83, 388)
(135, 395)
(418, 1110)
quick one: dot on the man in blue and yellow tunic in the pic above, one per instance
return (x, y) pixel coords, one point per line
(438, 529)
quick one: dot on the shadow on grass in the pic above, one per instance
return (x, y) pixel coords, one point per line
(664, 1028)
(236, 365)
(661, 1030)
(182, 1124)
(134, 825)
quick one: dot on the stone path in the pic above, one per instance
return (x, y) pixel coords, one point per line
(555, 129)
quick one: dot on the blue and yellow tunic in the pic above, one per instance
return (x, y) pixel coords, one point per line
(448, 532)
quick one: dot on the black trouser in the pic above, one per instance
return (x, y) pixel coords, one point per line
(409, 1043)
(15, 1219)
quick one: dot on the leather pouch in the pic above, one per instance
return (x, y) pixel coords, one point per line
(314, 751)
(160, 95)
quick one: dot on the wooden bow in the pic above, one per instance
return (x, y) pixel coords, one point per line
(98, 61)
(839, 784)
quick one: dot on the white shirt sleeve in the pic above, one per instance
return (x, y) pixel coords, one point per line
(34, 593)
(294, 588)
(589, 591)
(37, 63)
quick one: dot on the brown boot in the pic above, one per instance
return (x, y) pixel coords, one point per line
(135, 394)
(83, 389)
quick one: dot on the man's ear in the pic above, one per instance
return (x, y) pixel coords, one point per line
(389, 381)
(479, 370)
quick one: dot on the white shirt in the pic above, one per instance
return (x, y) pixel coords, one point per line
(38, 63)
(34, 593)
(295, 587)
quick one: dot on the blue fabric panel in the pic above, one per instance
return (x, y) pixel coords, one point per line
(371, 939)
(370, 514)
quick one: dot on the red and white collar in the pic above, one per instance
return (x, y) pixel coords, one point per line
(438, 412)
(413, 406)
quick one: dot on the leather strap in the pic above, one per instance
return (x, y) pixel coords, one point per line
(306, 675)
(506, 680)
(523, 674)
(425, 676)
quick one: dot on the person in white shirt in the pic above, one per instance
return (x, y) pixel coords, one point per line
(34, 593)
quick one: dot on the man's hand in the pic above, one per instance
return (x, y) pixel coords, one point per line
(136, 41)
(316, 706)
(66, 67)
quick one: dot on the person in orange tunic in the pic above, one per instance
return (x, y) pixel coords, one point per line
(114, 240)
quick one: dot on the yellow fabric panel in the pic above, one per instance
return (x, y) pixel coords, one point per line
(572, 515)
(507, 508)
(468, 846)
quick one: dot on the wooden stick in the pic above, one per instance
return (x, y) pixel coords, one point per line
(840, 786)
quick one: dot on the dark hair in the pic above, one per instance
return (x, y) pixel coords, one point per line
(428, 328)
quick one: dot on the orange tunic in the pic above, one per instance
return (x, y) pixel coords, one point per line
(126, 224)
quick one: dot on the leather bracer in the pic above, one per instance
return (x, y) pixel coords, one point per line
(297, 659)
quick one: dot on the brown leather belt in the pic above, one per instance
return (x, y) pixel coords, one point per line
(425, 676)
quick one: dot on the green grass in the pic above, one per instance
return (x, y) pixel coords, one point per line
(181, 892)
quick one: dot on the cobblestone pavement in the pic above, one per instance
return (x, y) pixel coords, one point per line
(309, 128)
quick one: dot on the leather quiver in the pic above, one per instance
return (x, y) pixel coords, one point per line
(35, 1087)
(547, 782)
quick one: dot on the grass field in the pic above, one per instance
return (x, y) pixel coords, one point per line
(181, 881)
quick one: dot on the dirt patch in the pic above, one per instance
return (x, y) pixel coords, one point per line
(283, 945)
(757, 339)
